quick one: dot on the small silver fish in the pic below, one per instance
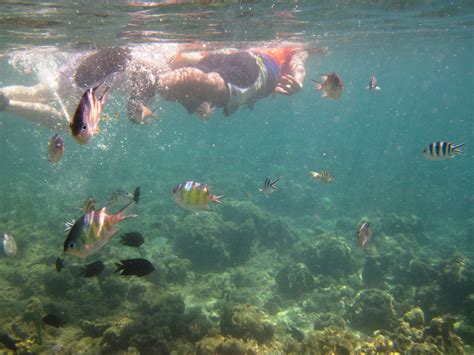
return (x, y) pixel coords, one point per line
(269, 186)
(364, 234)
(55, 148)
(442, 150)
(373, 84)
(324, 176)
(9, 245)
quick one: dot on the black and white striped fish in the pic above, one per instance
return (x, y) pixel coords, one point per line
(442, 150)
(269, 186)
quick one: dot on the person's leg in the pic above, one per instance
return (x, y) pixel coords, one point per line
(39, 93)
(37, 112)
(191, 87)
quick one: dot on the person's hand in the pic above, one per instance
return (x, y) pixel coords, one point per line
(288, 85)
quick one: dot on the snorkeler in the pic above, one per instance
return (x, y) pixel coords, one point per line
(229, 80)
(53, 101)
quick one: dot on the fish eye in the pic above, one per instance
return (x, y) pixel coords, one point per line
(84, 127)
(71, 245)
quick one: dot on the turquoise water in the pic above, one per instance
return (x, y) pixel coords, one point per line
(421, 53)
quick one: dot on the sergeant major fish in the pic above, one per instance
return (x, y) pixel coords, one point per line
(324, 176)
(194, 196)
(93, 230)
(269, 186)
(55, 148)
(331, 86)
(442, 150)
(85, 123)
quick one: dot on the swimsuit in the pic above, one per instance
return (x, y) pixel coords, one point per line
(248, 76)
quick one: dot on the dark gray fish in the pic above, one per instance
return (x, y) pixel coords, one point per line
(373, 86)
(7, 341)
(53, 320)
(59, 264)
(364, 234)
(55, 148)
(269, 186)
(442, 150)
(138, 267)
(136, 194)
(92, 269)
(132, 239)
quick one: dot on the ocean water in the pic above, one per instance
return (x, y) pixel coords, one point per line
(245, 275)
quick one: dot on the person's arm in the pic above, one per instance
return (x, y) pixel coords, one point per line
(293, 77)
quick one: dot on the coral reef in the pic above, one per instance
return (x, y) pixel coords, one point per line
(247, 322)
(373, 309)
(294, 280)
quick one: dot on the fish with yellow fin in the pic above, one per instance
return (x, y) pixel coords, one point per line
(323, 176)
(93, 230)
(331, 86)
(194, 196)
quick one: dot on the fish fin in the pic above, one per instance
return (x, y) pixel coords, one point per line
(324, 94)
(119, 267)
(105, 95)
(318, 87)
(324, 77)
(122, 214)
(215, 198)
(378, 88)
(457, 150)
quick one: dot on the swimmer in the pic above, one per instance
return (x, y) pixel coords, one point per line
(233, 78)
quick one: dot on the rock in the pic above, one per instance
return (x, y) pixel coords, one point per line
(293, 280)
(373, 309)
(415, 318)
(245, 321)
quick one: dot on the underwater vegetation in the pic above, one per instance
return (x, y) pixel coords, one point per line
(242, 281)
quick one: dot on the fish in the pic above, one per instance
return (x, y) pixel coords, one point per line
(137, 267)
(205, 110)
(85, 123)
(68, 225)
(132, 239)
(331, 86)
(364, 234)
(147, 115)
(55, 148)
(9, 245)
(92, 269)
(93, 230)
(121, 196)
(194, 196)
(53, 320)
(269, 186)
(373, 84)
(323, 176)
(59, 264)
(442, 150)
(7, 341)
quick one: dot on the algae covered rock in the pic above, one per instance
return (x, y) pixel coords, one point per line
(295, 279)
(415, 317)
(331, 257)
(330, 341)
(209, 242)
(373, 309)
(441, 332)
(246, 321)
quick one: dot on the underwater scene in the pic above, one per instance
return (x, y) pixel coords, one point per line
(238, 177)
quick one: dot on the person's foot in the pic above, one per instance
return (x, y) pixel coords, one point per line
(4, 101)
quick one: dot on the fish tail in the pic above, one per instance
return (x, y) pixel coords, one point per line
(105, 95)
(215, 198)
(119, 267)
(457, 150)
(122, 214)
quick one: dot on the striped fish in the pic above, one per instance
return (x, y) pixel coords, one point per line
(269, 186)
(194, 196)
(442, 150)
